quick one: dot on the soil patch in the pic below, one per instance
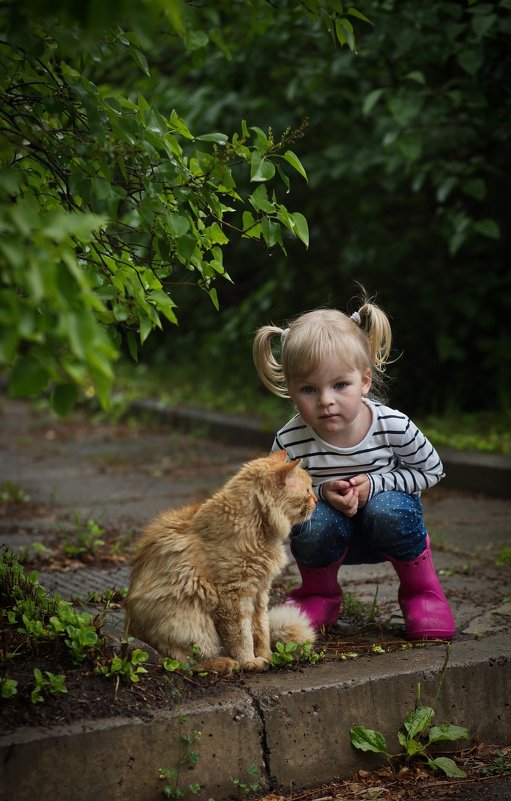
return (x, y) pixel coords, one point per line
(488, 778)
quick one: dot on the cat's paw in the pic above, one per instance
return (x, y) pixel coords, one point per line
(223, 665)
(258, 663)
(263, 653)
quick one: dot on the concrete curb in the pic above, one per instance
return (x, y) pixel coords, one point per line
(293, 726)
(485, 474)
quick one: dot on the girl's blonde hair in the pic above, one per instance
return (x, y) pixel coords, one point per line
(361, 342)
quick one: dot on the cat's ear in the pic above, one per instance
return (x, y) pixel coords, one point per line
(284, 471)
(278, 456)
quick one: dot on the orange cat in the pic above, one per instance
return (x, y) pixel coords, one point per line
(202, 573)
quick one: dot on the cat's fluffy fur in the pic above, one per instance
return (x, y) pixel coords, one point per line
(202, 574)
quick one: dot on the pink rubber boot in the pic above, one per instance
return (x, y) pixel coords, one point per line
(421, 598)
(320, 596)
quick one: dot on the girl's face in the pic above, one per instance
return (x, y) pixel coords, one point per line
(330, 401)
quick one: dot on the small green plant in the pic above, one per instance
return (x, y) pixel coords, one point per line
(284, 654)
(8, 688)
(246, 788)
(348, 655)
(36, 550)
(47, 684)
(504, 556)
(114, 595)
(35, 616)
(500, 764)
(307, 654)
(11, 493)
(190, 757)
(170, 789)
(416, 736)
(353, 607)
(84, 539)
(126, 665)
(188, 667)
(290, 652)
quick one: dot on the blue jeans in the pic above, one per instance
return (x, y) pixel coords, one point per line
(391, 523)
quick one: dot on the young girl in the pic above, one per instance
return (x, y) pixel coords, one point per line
(368, 464)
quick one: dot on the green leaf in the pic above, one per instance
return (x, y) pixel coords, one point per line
(164, 304)
(301, 227)
(488, 228)
(344, 32)
(418, 720)
(295, 162)
(475, 187)
(216, 36)
(413, 747)
(260, 168)
(271, 231)
(251, 227)
(259, 200)
(214, 298)
(174, 11)
(145, 328)
(196, 40)
(63, 398)
(216, 235)
(410, 145)
(27, 378)
(141, 60)
(370, 100)
(178, 224)
(368, 740)
(405, 109)
(448, 766)
(132, 345)
(354, 12)
(447, 731)
(417, 76)
(217, 138)
(186, 246)
(79, 225)
(471, 60)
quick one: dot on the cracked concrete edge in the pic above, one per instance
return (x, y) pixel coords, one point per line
(481, 473)
(293, 726)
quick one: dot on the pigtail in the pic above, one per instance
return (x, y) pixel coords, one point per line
(268, 367)
(376, 326)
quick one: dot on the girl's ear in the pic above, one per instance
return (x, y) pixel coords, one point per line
(367, 381)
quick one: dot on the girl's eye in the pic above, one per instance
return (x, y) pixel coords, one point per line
(340, 385)
(307, 390)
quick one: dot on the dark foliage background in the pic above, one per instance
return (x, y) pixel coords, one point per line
(407, 148)
(405, 140)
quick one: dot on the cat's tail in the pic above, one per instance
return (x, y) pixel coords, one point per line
(289, 624)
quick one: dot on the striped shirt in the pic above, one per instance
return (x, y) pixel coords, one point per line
(394, 453)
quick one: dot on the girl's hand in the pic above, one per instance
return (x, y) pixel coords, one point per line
(363, 486)
(342, 496)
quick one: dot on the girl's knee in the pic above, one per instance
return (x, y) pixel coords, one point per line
(395, 525)
(393, 509)
(320, 540)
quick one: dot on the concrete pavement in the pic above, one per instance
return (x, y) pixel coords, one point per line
(293, 725)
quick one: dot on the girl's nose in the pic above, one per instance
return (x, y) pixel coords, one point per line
(325, 398)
